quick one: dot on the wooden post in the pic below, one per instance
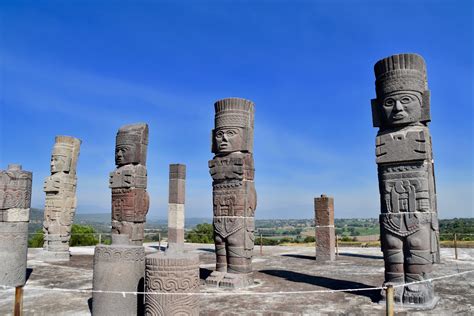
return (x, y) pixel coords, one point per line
(455, 246)
(389, 300)
(18, 308)
(337, 247)
(261, 245)
(159, 241)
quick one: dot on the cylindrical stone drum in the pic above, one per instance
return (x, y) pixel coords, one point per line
(176, 275)
(118, 267)
(13, 253)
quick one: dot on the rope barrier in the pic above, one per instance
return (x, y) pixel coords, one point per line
(123, 293)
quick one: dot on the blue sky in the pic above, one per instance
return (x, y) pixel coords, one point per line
(84, 68)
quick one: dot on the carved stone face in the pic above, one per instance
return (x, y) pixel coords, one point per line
(125, 154)
(59, 163)
(402, 107)
(229, 139)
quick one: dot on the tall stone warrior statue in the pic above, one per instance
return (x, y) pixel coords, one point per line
(408, 220)
(128, 182)
(60, 206)
(234, 196)
(15, 201)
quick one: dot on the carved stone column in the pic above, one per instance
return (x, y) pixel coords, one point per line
(15, 201)
(128, 182)
(325, 235)
(172, 277)
(234, 195)
(408, 220)
(61, 201)
(119, 267)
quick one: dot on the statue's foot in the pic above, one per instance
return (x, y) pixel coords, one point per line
(419, 294)
(397, 292)
(215, 278)
(236, 280)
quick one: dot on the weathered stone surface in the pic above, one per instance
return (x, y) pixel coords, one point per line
(60, 204)
(118, 267)
(130, 200)
(176, 275)
(234, 195)
(15, 201)
(408, 223)
(175, 224)
(325, 234)
(177, 183)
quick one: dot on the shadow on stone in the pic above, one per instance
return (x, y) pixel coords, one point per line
(207, 249)
(204, 273)
(89, 303)
(141, 297)
(159, 248)
(360, 256)
(300, 256)
(329, 283)
(29, 271)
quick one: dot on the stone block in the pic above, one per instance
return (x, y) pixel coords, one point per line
(15, 215)
(325, 244)
(131, 144)
(324, 211)
(13, 253)
(177, 191)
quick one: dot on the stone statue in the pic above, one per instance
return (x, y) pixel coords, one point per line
(234, 195)
(408, 220)
(175, 272)
(15, 201)
(128, 182)
(60, 206)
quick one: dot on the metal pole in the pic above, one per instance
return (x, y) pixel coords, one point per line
(18, 308)
(337, 247)
(389, 295)
(159, 241)
(455, 246)
(261, 245)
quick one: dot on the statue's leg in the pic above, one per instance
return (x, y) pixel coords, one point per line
(418, 266)
(392, 247)
(221, 254)
(239, 259)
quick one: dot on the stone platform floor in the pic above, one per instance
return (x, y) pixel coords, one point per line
(280, 269)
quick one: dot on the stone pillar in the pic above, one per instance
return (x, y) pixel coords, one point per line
(176, 205)
(325, 234)
(15, 201)
(408, 221)
(60, 205)
(172, 277)
(128, 182)
(118, 267)
(233, 190)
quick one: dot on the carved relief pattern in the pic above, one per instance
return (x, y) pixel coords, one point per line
(120, 254)
(172, 276)
(406, 179)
